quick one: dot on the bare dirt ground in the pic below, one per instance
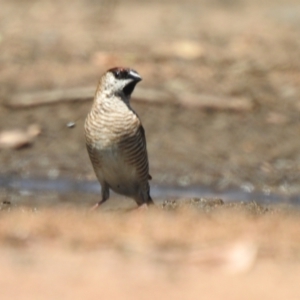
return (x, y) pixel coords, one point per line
(228, 73)
(66, 253)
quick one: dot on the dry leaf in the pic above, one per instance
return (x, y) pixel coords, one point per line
(213, 102)
(276, 118)
(236, 258)
(184, 49)
(17, 138)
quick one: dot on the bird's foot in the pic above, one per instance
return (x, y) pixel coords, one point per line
(94, 207)
(143, 207)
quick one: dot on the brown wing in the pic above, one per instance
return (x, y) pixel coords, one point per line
(144, 139)
(134, 149)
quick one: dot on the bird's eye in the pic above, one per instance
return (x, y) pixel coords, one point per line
(120, 73)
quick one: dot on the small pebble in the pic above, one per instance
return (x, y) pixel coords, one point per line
(71, 124)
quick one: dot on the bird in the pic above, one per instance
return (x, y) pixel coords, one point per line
(115, 139)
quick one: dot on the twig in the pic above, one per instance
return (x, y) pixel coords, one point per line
(24, 100)
(147, 95)
(50, 97)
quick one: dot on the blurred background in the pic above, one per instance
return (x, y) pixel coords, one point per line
(219, 98)
(220, 105)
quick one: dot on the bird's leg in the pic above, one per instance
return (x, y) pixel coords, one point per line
(104, 195)
(144, 198)
(149, 200)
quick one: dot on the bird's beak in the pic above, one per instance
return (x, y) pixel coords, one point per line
(135, 76)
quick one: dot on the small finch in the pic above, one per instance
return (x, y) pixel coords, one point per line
(115, 138)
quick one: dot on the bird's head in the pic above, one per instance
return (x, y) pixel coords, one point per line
(120, 81)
